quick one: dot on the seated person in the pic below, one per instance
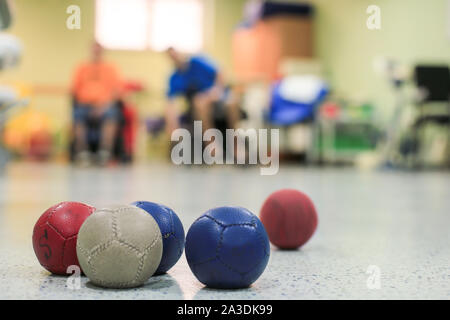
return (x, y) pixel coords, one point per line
(199, 80)
(96, 89)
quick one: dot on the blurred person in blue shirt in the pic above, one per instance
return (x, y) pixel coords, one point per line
(200, 81)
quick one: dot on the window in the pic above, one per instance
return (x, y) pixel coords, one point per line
(150, 24)
(176, 23)
(122, 24)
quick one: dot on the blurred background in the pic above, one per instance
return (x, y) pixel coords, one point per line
(359, 90)
(346, 83)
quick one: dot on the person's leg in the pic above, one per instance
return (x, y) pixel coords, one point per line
(109, 128)
(80, 137)
(203, 107)
(80, 118)
(204, 110)
(231, 101)
(232, 108)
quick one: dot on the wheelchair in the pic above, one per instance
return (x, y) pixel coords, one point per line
(124, 142)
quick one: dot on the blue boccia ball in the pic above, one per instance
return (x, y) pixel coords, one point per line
(171, 230)
(227, 248)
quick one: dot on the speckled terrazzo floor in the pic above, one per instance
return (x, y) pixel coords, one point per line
(397, 221)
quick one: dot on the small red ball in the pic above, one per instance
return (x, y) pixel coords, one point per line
(55, 235)
(289, 217)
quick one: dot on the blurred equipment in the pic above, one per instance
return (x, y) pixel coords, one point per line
(267, 36)
(289, 104)
(433, 106)
(5, 14)
(294, 103)
(420, 137)
(10, 46)
(295, 98)
(397, 75)
(292, 108)
(388, 150)
(9, 100)
(273, 48)
(343, 131)
(10, 55)
(10, 51)
(29, 134)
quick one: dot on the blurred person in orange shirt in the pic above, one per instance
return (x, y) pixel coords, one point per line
(96, 88)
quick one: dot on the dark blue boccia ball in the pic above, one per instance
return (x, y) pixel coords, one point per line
(171, 230)
(227, 248)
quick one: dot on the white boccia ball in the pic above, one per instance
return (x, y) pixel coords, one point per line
(119, 247)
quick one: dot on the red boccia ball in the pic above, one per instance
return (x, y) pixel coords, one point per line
(55, 235)
(289, 217)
